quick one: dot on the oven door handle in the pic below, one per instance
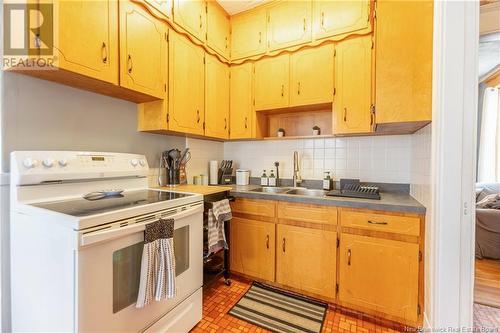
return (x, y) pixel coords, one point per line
(113, 233)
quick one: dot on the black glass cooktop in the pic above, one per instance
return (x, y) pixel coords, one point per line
(85, 207)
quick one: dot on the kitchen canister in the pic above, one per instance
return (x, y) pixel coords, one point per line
(242, 177)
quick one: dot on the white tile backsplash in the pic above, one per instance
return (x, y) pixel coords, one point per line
(420, 187)
(372, 159)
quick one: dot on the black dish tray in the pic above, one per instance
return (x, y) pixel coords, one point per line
(375, 195)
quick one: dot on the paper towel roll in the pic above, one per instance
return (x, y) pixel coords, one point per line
(214, 172)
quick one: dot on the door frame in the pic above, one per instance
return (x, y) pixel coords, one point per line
(451, 234)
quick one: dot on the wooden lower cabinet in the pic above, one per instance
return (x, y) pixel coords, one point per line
(306, 259)
(294, 246)
(380, 275)
(253, 248)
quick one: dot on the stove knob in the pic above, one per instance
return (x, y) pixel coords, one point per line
(29, 163)
(63, 162)
(134, 162)
(48, 162)
(142, 162)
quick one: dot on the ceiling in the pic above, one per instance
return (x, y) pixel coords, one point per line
(236, 6)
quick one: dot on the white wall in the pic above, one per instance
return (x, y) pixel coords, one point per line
(41, 115)
(374, 159)
(202, 152)
(420, 189)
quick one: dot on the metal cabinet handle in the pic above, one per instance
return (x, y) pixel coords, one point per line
(129, 62)
(201, 24)
(260, 37)
(371, 119)
(322, 19)
(227, 44)
(345, 114)
(246, 122)
(283, 246)
(282, 90)
(304, 24)
(379, 223)
(225, 123)
(198, 116)
(298, 88)
(349, 257)
(104, 51)
(267, 242)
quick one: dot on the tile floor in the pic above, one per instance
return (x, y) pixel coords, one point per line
(219, 298)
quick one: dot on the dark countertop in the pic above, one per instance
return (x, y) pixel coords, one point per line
(390, 201)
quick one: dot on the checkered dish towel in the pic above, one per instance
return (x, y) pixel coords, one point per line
(158, 263)
(220, 213)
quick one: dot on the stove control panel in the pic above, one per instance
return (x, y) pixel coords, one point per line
(35, 167)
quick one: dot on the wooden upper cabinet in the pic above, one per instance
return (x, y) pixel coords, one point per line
(289, 24)
(353, 79)
(404, 61)
(218, 29)
(311, 76)
(248, 34)
(216, 98)
(142, 71)
(252, 248)
(272, 82)
(241, 101)
(379, 274)
(336, 17)
(162, 6)
(306, 259)
(87, 38)
(191, 15)
(186, 85)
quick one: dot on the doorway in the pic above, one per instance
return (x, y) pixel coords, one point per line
(486, 308)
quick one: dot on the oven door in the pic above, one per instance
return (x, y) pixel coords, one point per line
(109, 264)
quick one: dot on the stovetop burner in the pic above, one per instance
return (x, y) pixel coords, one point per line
(83, 207)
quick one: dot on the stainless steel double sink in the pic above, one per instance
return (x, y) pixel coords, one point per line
(291, 191)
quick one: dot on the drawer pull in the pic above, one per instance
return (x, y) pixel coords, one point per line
(379, 223)
(267, 242)
(129, 62)
(104, 51)
(284, 245)
(349, 257)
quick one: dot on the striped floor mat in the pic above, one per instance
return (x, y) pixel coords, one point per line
(278, 311)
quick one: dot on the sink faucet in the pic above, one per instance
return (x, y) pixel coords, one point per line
(296, 170)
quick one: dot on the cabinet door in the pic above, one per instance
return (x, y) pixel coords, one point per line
(252, 248)
(306, 259)
(191, 15)
(272, 82)
(335, 17)
(379, 274)
(139, 31)
(248, 34)
(404, 61)
(352, 102)
(289, 24)
(216, 98)
(163, 6)
(241, 101)
(311, 76)
(87, 38)
(218, 29)
(186, 86)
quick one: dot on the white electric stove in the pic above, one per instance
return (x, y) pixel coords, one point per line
(77, 232)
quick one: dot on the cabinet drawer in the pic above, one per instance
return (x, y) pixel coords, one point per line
(254, 207)
(307, 213)
(380, 222)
